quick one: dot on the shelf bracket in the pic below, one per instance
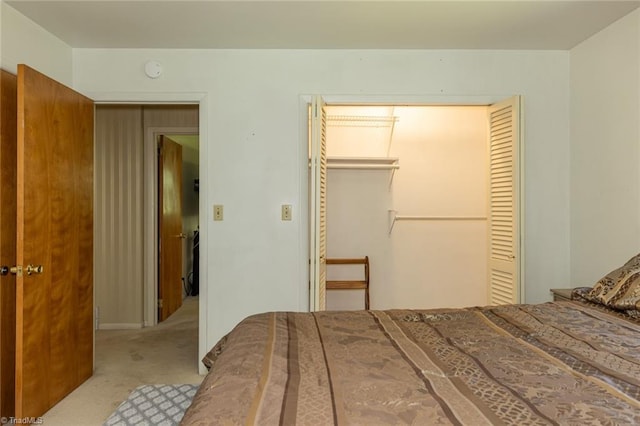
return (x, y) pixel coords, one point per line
(392, 220)
(393, 172)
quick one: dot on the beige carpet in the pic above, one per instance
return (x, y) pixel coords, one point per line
(126, 359)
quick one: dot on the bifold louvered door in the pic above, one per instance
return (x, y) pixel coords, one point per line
(504, 182)
(318, 205)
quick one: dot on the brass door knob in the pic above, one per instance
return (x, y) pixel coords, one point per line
(34, 269)
(17, 270)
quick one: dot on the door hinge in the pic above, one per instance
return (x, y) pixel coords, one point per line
(159, 303)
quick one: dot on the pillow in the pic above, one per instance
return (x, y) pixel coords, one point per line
(212, 356)
(620, 288)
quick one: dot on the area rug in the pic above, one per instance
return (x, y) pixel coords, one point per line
(161, 405)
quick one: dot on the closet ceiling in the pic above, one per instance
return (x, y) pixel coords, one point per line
(416, 24)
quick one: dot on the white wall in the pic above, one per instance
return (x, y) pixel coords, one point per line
(605, 151)
(444, 168)
(25, 42)
(443, 159)
(254, 148)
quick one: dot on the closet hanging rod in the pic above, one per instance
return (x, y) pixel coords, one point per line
(440, 218)
(393, 217)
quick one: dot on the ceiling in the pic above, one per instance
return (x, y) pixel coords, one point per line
(416, 24)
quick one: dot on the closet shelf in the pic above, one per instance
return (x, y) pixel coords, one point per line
(394, 216)
(361, 120)
(372, 163)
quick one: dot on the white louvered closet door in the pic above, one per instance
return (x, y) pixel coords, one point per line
(318, 207)
(504, 183)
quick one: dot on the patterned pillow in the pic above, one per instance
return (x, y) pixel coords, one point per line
(620, 288)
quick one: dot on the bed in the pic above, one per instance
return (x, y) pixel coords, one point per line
(574, 362)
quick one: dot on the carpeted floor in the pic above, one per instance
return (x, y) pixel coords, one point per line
(154, 405)
(127, 359)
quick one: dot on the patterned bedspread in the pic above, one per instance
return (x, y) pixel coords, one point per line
(553, 363)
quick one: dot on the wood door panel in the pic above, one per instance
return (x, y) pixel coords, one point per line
(55, 229)
(170, 223)
(8, 156)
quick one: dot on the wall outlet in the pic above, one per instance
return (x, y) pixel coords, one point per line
(218, 212)
(286, 212)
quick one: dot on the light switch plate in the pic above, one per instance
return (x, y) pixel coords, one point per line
(286, 212)
(218, 212)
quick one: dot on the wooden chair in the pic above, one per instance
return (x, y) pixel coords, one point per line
(352, 284)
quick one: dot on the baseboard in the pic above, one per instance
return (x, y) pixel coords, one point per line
(120, 326)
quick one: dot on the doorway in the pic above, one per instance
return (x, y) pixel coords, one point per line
(414, 188)
(65, 159)
(127, 206)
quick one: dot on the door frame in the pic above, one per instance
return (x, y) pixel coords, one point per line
(396, 100)
(202, 100)
(150, 212)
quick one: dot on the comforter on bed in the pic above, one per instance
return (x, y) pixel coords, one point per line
(554, 363)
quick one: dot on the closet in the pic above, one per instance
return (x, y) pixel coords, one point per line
(407, 186)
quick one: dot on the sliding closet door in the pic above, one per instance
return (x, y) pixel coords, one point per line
(318, 205)
(504, 206)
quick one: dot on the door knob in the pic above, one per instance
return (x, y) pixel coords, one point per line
(34, 269)
(17, 270)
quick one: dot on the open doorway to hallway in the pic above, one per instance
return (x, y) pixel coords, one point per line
(126, 220)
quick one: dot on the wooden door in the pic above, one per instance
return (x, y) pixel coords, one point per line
(8, 157)
(54, 308)
(170, 224)
(504, 205)
(318, 205)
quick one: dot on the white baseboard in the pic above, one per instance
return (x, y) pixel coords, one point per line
(120, 326)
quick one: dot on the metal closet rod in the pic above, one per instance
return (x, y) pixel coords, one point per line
(393, 217)
(440, 218)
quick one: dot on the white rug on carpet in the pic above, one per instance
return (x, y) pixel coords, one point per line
(154, 405)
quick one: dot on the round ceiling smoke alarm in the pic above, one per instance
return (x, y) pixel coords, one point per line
(153, 69)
